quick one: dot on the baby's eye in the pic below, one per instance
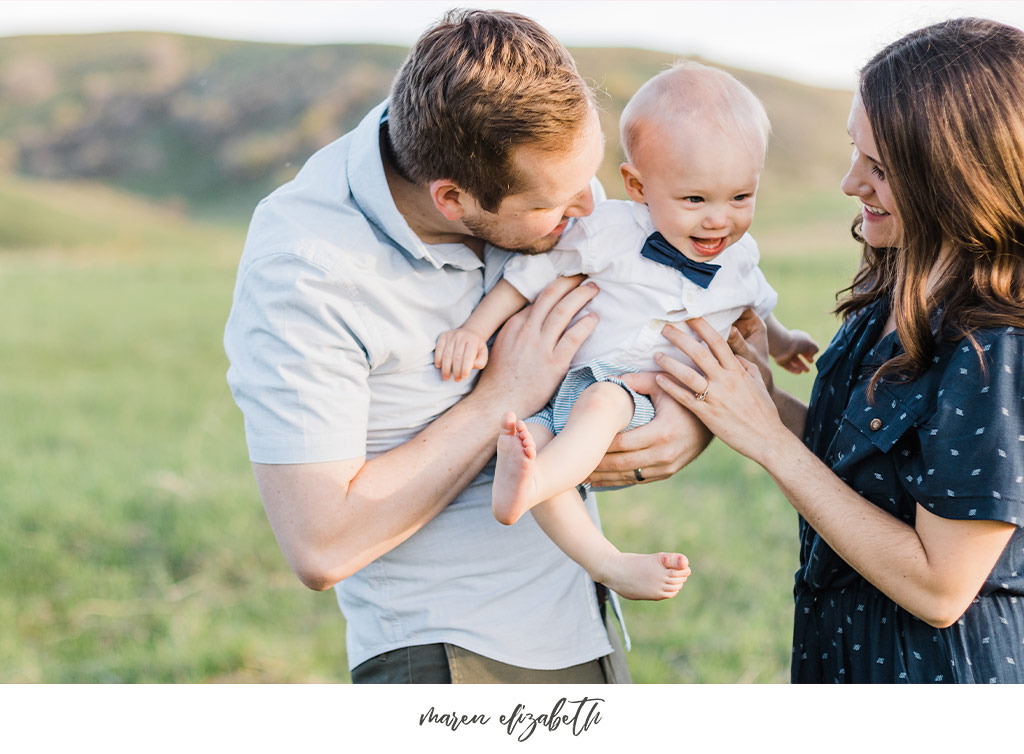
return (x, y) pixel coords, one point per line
(693, 199)
(741, 197)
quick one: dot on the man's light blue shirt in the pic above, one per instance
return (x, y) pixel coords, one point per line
(337, 308)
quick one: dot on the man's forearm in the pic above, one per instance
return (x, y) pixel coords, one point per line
(395, 494)
(332, 519)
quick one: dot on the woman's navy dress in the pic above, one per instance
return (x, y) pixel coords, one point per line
(951, 440)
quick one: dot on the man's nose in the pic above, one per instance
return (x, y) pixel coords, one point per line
(582, 205)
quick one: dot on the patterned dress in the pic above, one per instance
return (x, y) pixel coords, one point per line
(951, 440)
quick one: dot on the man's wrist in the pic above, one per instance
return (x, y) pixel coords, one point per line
(488, 400)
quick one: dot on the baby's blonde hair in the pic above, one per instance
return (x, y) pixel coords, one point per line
(690, 90)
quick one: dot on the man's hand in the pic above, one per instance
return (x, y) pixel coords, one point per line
(459, 352)
(749, 340)
(659, 448)
(532, 351)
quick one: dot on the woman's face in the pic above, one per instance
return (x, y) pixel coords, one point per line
(866, 181)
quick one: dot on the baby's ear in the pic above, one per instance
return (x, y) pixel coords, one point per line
(633, 182)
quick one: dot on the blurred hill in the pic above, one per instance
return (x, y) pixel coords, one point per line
(210, 126)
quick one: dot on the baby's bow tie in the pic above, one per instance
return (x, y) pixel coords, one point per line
(659, 250)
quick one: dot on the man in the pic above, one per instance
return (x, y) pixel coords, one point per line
(374, 472)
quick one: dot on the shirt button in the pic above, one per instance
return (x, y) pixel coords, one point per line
(876, 424)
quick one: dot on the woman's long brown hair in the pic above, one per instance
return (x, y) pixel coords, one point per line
(946, 108)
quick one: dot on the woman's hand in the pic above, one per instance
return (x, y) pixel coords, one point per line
(730, 397)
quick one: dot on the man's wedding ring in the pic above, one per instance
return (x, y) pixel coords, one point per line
(638, 473)
(702, 396)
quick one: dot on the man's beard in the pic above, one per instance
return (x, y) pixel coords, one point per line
(490, 231)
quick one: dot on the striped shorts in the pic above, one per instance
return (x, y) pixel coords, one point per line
(556, 413)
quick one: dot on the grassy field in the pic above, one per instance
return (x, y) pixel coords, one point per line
(134, 545)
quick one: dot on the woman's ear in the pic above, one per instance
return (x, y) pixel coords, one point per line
(633, 182)
(448, 198)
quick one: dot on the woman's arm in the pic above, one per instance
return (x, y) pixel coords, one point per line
(932, 569)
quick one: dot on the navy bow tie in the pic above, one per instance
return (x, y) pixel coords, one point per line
(660, 250)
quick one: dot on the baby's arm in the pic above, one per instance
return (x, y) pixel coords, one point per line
(464, 349)
(790, 348)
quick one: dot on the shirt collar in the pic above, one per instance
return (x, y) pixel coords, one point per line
(369, 187)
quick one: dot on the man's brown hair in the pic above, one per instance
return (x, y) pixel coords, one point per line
(476, 86)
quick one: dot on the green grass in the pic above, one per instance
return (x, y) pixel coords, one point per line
(134, 545)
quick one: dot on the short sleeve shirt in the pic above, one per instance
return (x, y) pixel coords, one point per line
(337, 308)
(638, 295)
(952, 440)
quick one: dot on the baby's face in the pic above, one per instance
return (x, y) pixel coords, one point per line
(700, 187)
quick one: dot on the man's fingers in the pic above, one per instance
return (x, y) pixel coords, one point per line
(559, 313)
(599, 478)
(552, 293)
(748, 323)
(573, 338)
(737, 343)
(641, 382)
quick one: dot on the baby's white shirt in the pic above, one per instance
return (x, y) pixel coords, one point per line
(638, 295)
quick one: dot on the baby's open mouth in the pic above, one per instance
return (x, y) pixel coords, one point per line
(708, 246)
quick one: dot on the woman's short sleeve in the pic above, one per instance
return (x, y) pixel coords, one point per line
(971, 464)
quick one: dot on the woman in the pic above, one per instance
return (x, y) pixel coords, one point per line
(909, 481)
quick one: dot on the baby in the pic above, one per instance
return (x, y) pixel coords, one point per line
(695, 141)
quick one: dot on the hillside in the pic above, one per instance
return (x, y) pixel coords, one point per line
(213, 125)
(86, 220)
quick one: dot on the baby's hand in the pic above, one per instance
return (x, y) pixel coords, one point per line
(458, 352)
(800, 347)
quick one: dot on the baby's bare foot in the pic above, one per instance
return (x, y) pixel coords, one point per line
(657, 576)
(515, 483)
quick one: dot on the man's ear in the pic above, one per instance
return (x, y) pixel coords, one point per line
(448, 198)
(633, 182)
